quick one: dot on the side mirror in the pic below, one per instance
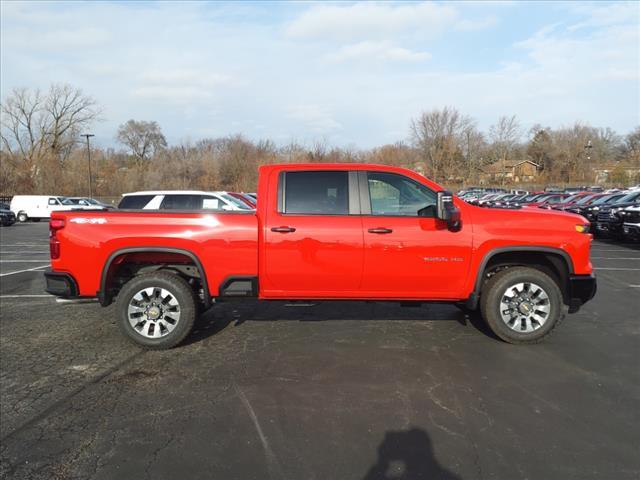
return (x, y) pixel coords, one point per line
(447, 211)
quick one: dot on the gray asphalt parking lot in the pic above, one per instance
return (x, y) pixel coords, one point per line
(340, 390)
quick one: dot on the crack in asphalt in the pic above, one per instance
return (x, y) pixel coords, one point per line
(54, 406)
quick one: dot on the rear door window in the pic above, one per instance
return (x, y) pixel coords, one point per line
(316, 193)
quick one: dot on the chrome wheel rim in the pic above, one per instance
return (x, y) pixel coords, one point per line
(525, 307)
(153, 312)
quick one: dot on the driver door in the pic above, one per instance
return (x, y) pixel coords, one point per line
(406, 254)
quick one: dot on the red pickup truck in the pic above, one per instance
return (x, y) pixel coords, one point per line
(323, 232)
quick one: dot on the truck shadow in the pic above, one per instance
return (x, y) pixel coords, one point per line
(222, 315)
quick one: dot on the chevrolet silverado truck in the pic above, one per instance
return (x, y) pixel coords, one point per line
(326, 232)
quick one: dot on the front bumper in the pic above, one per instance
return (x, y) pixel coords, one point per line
(631, 229)
(582, 288)
(61, 284)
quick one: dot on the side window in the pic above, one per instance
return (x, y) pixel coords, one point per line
(211, 203)
(135, 202)
(316, 193)
(53, 201)
(181, 202)
(396, 195)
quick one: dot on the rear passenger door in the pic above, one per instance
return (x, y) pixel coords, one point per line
(313, 238)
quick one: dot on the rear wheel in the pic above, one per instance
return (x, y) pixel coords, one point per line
(22, 217)
(522, 305)
(156, 310)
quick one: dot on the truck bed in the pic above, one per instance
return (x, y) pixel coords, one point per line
(226, 242)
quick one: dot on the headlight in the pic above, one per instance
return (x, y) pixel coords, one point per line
(582, 228)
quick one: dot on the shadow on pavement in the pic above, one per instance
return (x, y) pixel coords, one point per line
(407, 455)
(221, 315)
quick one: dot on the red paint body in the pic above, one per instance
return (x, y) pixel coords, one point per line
(328, 256)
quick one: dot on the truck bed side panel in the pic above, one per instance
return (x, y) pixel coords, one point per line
(225, 243)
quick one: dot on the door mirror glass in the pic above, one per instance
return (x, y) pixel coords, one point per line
(447, 211)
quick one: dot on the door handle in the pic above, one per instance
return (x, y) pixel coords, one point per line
(380, 230)
(283, 229)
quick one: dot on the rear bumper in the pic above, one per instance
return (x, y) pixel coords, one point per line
(61, 284)
(582, 288)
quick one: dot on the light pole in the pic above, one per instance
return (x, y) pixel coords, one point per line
(87, 136)
(587, 148)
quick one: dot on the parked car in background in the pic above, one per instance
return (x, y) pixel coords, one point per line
(547, 200)
(244, 197)
(590, 209)
(608, 221)
(36, 207)
(7, 217)
(631, 225)
(576, 199)
(181, 200)
(85, 203)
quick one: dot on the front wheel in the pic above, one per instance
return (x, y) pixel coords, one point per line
(156, 310)
(522, 305)
(22, 217)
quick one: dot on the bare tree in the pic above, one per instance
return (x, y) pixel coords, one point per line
(39, 128)
(504, 135)
(67, 112)
(436, 134)
(142, 138)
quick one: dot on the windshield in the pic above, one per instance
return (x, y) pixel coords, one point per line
(584, 200)
(571, 198)
(235, 202)
(70, 201)
(628, 198)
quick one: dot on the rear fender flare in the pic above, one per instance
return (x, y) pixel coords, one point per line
(105, 298)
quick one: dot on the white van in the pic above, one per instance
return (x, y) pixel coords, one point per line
(36, 207)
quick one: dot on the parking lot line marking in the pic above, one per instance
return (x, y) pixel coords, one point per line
(25, 252)
(20, 261)
(634, 286)
(21, 271)
(607, 268)
(612, 250)
(23, 245)
(26, 296)
(615, 258)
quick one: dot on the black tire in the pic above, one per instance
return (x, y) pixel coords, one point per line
(495, 290)
(22, 217)
(179, 290)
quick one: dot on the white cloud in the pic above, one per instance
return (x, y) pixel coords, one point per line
(605, 14)
(316, 118)
(472, 25)
(377, 51)
(371, 21)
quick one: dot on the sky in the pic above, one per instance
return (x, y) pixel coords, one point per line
(349, 74)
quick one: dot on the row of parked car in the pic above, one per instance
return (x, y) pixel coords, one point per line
(613, 213)
(24, 208)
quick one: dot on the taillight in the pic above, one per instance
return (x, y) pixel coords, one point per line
(54, 244)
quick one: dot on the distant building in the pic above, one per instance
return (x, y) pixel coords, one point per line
(523, 171)
(603, 174)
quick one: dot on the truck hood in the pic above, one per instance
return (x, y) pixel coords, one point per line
(527, 222)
